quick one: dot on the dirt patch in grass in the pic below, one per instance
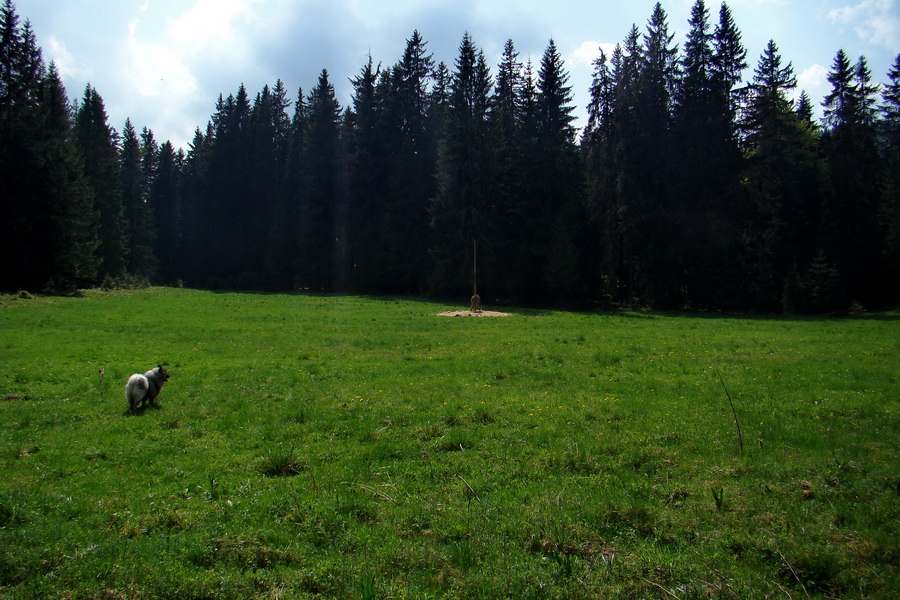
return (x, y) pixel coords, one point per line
(469, 313)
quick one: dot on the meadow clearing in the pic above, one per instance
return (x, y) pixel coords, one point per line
(355, 447)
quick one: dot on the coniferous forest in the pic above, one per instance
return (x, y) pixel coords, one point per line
(697, 182)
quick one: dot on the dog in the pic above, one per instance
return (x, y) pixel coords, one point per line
(141, 389)
(475, 305)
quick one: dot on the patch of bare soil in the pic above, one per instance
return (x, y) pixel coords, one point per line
(469, 313)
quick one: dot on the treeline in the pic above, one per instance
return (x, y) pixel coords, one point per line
(688, 186)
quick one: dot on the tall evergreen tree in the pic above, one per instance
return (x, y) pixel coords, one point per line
(21, 64)
(840, 102)
(556, 216)
(439, 98)
(18, 119)
(854, 168)
(10, 48)
(285, 253)
(889, 211)
(147, 267)
(139, 223)
(628, 184)
(412, 183)
(132, 184)
(805, 109)
(98, 144)
(696, 91)
(624, 176)
(598, 147)
(75, 222)
(459, 212)
(268, 131)
(368, 163)
(890, 105)
(729, 61)
(226, 205)
(52, 231)
(706, 158)
(193, 225)
(33, 133)
(499, 251)
(783, 184)
(659, 260)
(168, 213)
(322, 216)
(73, 235)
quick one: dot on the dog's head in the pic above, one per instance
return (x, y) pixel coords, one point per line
(161, 373)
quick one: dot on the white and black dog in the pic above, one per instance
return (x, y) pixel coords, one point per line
(146, 387)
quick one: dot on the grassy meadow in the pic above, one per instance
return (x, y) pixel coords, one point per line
(348, 447)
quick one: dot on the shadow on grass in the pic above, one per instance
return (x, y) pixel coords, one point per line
(141, 410)
(439, 304)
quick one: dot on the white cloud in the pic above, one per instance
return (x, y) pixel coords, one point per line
(204, 21)
(813, 81)
(69, 66)
(587, 52)
(212, 24)
(875, 21)
(157, 70)
(157, 76)
(813, 78)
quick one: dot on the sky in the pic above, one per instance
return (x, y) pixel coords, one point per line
(163, 63)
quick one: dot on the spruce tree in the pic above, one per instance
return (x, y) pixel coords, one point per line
(10, 47)
(706, 159)
(75, 222)
(729, 62)
(225, 204)
(805, 109)
(889, 208)
(21, 65)
(321, 215)
(193, 217)
(621, 234)
(140, 226)
(268, 130)
(783, 186)
(839, 103)
(499, 249)
(17, 120)
(556, 217)
(890, 104)
(285, 252)
(29, 246)
(854, 170)
(368, 164)
(696, 92)
(701, 129)
(459, 212)
(98, 144)
(598, 146)
(63, 184)
(412, 184)
(660, 261)
(168, 214)
(619, 169)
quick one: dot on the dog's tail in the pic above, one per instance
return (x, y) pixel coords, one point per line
(136, 389)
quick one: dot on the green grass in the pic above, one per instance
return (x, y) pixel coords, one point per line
(318, 446)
